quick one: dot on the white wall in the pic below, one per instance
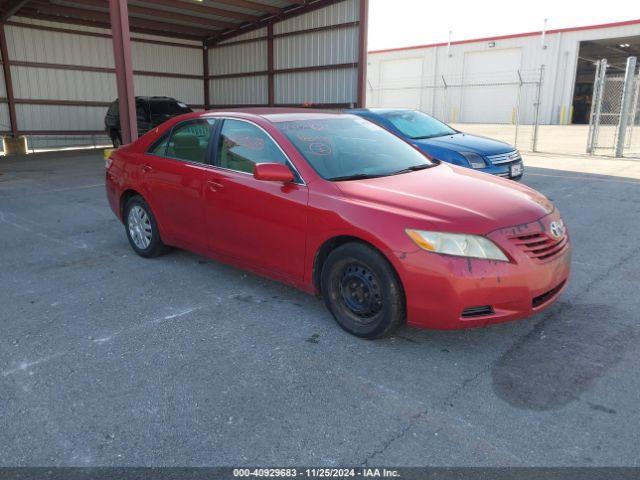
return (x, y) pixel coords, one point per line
(86, 75)
(295, 48)
(412, 78)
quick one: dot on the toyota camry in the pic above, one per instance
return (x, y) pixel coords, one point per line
(342, 208)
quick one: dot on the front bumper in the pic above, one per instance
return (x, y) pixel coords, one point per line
(440, 290)
(506, 170)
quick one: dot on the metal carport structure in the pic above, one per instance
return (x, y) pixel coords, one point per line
(62, 65)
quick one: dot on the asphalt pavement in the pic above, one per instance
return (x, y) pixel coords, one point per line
(108, 359)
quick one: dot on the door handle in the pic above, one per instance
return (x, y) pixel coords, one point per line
(146, 168)
(214, 186)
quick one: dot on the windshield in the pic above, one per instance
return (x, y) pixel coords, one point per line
(348, 148)
(418, 125)
(168, 108)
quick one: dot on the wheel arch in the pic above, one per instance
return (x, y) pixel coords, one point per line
(124, 198)
(334, 242)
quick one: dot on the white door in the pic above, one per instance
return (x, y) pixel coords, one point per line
(400, 82)
(485, 103)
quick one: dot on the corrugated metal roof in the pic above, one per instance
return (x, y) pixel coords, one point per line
(188, 19)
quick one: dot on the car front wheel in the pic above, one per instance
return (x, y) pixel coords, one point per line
(142, 228)
(362, 291)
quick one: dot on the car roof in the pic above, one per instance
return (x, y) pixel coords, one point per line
(279, 114)
(387, 110)
(156, 99)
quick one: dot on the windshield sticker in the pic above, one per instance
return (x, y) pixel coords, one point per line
(320, 148)
(310, 137)
(318, 126)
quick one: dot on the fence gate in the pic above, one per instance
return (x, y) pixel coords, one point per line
(614, 122)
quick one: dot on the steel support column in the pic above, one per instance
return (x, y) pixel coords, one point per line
(362, 53)
(270, 66)
(205, 72)
(119, 15)
(6, 67)
(625, 108)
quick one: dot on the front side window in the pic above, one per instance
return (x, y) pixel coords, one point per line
(418, 125)
(349, 147)
(243, 144)
(189, 141)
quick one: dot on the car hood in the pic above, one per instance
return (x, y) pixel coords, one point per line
(451, 198)
(463, 142)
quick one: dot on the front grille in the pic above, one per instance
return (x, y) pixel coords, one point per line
(542, 299)
(473, 312)
(541, 247)
(508, 157)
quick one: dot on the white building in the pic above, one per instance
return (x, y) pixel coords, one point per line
(484, 80)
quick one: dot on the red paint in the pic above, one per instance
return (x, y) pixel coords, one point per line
(513, 35)
(8, 82)
(276, 228)
(273, 172)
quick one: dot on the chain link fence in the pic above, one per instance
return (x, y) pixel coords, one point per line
(500, 105)
(614, 124)
(506, 106)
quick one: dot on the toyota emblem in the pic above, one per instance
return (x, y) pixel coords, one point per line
(557, 229)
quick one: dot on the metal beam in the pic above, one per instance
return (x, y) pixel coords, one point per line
(124, 69)
(282, 14)
(259, 7)
(201, 9)
(270, 65)
(362, 53)
(6, 67)
(10, 8)
(93, 16)
(155, 13)
(31, 13)
(205, 71)
(625, 109)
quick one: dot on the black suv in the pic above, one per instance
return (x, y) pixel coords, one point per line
(151, 112)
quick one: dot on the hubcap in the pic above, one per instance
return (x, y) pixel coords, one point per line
(360, 291)
(140, 227)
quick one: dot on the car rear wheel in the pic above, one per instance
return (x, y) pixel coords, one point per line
(362, 291)
(142, 228)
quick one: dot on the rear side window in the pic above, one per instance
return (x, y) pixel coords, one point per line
(189, 141)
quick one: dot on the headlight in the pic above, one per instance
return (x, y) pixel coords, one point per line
(475, 160)
(461, 245)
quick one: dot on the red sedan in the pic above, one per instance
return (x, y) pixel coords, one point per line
(337, 206)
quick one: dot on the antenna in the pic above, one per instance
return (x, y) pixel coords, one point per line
(544, 34)
(449, 45)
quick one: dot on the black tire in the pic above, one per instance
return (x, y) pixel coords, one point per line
(362, 291)
(155, 246)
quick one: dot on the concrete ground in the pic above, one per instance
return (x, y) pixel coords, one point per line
(555, 139)
(109, 359)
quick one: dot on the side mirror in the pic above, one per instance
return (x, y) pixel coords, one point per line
(272, 172)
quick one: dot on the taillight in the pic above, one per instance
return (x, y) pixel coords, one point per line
(107, 158)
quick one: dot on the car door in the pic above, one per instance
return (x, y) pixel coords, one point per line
(173, 175)
(260, 223)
